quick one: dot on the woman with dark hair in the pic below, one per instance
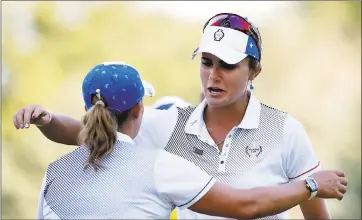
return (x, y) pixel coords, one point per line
(230, 135)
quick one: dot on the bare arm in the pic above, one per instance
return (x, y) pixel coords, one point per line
(62, 129)
(59, 128)
(187, 186)
(223, 200)
(315, 209)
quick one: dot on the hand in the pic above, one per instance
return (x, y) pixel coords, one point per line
(331, 184)
(31, 114)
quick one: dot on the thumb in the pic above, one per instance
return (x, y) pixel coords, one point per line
(45, 118)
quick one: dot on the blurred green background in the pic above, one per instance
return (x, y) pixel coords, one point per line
(311, 69)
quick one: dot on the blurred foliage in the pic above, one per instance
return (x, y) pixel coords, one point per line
(309, 57)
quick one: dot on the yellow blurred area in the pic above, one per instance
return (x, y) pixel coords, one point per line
(311, 68)
(173, 214)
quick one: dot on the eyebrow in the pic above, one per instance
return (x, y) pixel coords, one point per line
(220, 61)
(224, 63)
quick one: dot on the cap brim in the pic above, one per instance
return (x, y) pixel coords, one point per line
(149, 90)
(228, 56)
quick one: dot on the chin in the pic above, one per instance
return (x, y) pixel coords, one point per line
(216, 102)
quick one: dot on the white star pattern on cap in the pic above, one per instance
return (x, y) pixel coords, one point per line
(251, 45)
(114, 78)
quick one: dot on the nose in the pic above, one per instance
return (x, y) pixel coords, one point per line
(215, 74)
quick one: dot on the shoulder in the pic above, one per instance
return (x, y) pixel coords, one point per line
(290, 125)
(164, 159)
(270, 111)
(174, 165)
(293, 125)
(185, 112)
(71, 160)
(290, 120)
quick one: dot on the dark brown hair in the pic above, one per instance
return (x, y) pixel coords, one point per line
(253, 63)
(99, 133)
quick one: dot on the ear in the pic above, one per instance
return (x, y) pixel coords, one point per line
(136, 111)
(255, 72)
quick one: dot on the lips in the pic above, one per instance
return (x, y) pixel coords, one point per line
(215, 89)
(216, 92)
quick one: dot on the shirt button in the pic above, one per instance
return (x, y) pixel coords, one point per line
(227, 145)
(222, 162)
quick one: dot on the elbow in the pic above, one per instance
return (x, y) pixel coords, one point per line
(249, 209)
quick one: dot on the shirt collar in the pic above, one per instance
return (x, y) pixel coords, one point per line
(124, 138)
(250, 120)
(252, 115)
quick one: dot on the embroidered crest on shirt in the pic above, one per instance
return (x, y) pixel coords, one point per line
(254, 150)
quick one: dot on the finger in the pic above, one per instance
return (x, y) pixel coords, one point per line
(39, 110)
(27, 116)
(340, 173)
(339, 196)
(15, 121)
(343, 181)
(20, 118)
(342, 188)
(45, 119)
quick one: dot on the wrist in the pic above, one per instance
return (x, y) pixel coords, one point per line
(312, 186)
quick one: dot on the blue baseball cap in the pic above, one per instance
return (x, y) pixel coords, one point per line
(119, 83)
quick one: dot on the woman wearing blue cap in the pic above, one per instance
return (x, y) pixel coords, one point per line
(230, 135)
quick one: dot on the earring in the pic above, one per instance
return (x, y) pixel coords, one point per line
(251, 85)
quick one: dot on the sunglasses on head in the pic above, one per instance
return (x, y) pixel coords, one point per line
(236, 22)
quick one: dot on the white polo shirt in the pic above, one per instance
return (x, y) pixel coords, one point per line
(136, 182)
(269, 147)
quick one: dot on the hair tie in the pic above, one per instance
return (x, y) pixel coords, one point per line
(100, 102)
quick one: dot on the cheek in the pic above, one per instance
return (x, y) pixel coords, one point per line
(237, 81)
(204, 74)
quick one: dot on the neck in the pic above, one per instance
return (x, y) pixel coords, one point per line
(230, 115)
(127, 129)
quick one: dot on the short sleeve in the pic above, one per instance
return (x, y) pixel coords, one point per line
(301, 160)
(180, 181)
(157, 126)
